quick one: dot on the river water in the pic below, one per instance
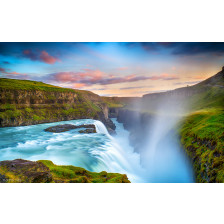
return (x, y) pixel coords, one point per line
(94, 152)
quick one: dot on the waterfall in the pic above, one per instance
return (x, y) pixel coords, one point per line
(118, 155)
(100, 128)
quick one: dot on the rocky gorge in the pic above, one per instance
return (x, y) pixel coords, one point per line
(198, 127)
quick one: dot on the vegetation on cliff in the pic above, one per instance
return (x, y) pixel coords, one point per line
(24, 102)
(202, 135)
(202, 131)
(45, 171)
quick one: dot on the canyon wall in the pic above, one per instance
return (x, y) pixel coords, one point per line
(34, 106)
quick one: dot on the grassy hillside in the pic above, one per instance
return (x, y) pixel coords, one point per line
(44, 171)
(16, 84)
(202, 132)
(24, 102)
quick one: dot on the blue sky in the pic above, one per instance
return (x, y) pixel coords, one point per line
(112, 69)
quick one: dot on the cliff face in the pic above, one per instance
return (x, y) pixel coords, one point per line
(27, 103)
(201, 130)
(138, 124)
(202, 137)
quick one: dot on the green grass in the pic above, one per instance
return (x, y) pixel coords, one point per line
(45, 105)
(16, 84)
(45, 171)
(211, 97)
(74, 174)
(202, 135)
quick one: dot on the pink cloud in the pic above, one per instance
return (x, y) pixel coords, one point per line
(42, 56)
(90, 77)
(2, 70)
(78, 85)
(14, 75)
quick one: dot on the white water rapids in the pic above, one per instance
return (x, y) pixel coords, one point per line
(95, 152)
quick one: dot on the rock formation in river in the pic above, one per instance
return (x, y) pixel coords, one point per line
(67, 127)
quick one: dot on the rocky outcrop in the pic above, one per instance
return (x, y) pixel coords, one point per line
(25, 171)
(44, 171)
(113, 112)
(67, 127)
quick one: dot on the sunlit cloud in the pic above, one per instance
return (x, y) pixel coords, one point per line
(90, 77)
(42, 56)
(13, 74)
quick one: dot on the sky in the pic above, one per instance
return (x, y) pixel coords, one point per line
(112, 68)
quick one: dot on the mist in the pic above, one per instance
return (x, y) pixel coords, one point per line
(158, 143)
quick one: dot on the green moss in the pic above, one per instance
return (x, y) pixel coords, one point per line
(202, 136)
(15, 84)
(28, 110)
(74, 174)
(7, 106)
(37, 118)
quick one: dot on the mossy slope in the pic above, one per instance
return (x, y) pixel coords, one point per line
(45, 171)
(24, 102)
(202, 131)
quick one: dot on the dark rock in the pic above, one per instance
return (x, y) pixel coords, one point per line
(3, 178)
(111, 131)
(61, 128)
(68, 127)
(27, 171)
(88, 131)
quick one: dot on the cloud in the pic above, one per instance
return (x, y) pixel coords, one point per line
(194, 48)
(181, 48)
(90, 77)
(15, 75)
(137, 87)
(78, 85)
(6, 62)
(42, 56)
(2, 70)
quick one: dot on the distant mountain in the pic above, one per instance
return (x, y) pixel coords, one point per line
(206, 94)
